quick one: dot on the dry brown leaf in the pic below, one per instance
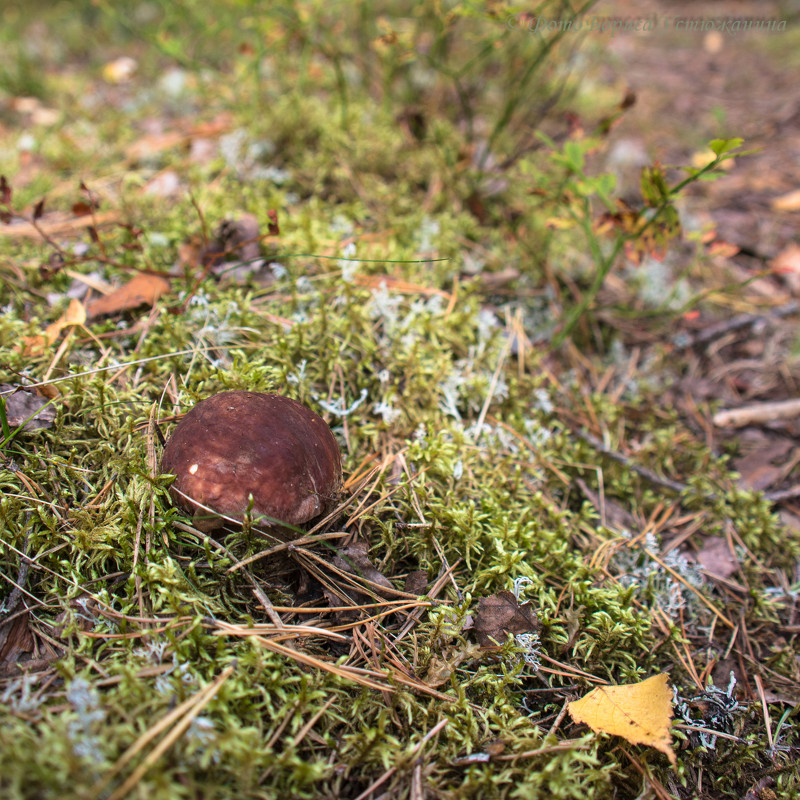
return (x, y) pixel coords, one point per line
(74, 315)
(234, 240)
(640, 713)
(354, 559)
(151, 145)
(722, 249)
(715, 557)
(141, 290)
(16, 639)
(501, 614)
(416, 582)
(33, 345)
(24, 405)
(761, 466)
(397, 285)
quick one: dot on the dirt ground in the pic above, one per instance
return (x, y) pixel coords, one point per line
(692, 86)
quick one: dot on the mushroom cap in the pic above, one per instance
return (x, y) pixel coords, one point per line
(237, 444)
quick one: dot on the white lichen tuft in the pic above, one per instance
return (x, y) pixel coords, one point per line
(84, 732)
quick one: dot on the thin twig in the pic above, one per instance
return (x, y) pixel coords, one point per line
(645, 473)
(738, 323)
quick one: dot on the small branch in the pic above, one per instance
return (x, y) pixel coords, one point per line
(645, 473)
(759, 412)
(740, 322)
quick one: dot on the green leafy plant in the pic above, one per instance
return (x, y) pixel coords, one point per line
(620, 229)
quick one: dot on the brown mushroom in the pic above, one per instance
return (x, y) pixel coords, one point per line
(235, 446)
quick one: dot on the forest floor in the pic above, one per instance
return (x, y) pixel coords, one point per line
(564, 389)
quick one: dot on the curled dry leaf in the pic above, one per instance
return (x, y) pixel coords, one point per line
(640, 713)
(234, 240)
(787, 265)
(142, 290)
(416, 582)
(763, 464)
(26, 407)
(354, 559)
(500, 615)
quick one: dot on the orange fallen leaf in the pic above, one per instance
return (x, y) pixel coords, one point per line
(141, 290)
(640, 712)
(722, 249)
(33, 345)
(74, 315)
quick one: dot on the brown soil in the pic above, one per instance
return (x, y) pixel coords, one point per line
(691, 87)
(694, 86)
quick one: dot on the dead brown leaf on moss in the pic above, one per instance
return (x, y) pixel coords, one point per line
(716, 558)
(26, 407)
(141, 290)
(16, 639)
(75, 315)
(500, 615)
(761, 467)
(234, 240)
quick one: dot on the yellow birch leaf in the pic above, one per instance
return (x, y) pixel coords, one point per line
(639, 712)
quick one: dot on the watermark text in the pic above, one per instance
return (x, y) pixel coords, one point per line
(614, 26)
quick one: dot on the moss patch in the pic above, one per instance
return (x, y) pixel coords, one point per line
(407, 297)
